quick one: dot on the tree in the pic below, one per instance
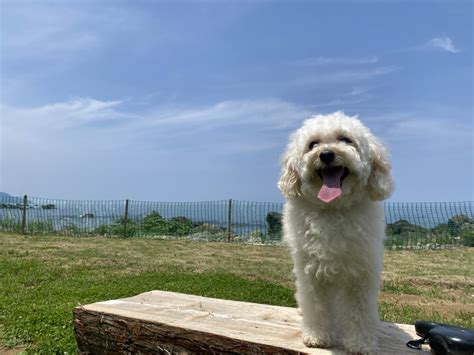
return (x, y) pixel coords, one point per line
(274, 224)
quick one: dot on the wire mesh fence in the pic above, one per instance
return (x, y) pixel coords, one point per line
(409, 225)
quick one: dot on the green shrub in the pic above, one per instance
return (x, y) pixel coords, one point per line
(467, 238)
(10, 225)
(40, 227)
(118, 229)
(403, 227)
(394, 241)
(103, 229)
(153, 223)
(72, 229)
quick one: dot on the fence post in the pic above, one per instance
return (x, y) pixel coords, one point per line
(23, 220)
(125, 218)
(229, 220)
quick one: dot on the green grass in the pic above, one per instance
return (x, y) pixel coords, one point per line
(42, 278)
(42, 315)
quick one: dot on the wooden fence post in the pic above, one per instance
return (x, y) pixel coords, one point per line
(23, 220)
(229, 221)
(125, 218)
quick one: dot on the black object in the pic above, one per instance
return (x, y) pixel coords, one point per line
(444, 339)
(327, 156)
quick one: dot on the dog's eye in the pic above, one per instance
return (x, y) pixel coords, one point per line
(345, 140)
(312, 144)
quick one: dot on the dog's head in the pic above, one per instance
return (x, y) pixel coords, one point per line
(335, 158)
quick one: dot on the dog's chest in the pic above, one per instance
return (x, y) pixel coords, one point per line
(335, 247)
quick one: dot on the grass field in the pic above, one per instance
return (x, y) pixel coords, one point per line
(42, 278)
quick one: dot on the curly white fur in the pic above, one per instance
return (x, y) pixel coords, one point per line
(337, 246)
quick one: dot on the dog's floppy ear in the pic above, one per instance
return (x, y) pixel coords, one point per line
(289, 183)
(380, 182)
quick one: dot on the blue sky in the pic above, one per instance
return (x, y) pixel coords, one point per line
(194, 100)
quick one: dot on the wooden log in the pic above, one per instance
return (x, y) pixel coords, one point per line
(168, 322)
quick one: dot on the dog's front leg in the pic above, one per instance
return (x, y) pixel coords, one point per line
(315, 303)
(360, 318)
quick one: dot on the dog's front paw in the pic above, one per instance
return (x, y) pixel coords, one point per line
(312, 340)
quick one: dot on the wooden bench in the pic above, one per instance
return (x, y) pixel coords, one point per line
(168, 322)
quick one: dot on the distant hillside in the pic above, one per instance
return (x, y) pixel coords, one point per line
(7, 198)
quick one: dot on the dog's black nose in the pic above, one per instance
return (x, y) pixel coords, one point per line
(327, 156)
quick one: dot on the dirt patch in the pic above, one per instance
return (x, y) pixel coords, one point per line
(13, 351)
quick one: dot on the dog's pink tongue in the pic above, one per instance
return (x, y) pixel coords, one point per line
(331, 188)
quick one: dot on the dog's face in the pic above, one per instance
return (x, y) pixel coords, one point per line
(335, 159)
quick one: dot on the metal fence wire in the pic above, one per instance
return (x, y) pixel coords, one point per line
(409, 225)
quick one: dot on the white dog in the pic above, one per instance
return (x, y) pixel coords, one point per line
(334, 173)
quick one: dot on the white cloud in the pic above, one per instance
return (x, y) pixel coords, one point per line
(345, 76)
(424, 128)
(90, 144)
(338, 61)
(272, 113)
(445, 43)
(72, 114)
(250, 147)
(101, 125)
(355, 96)
(93, 145)
(429, 128)
(60, 116)
(340, 71)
